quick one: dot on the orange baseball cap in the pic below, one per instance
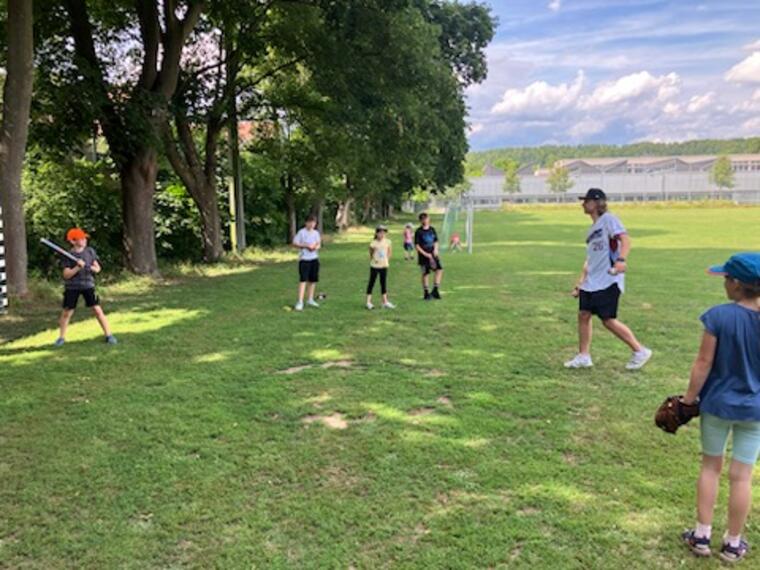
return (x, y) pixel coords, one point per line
(76, 233)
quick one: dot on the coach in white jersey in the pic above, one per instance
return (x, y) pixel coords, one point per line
(602, 282)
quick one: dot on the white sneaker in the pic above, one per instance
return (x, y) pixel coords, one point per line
(579, 361)
(370, 306)
(312, 303)
(639, 359)
(299, 306)
(389, 305)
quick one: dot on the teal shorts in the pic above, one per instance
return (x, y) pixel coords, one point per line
(715, 431)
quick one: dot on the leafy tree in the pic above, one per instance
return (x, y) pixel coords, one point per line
(17, 95)
(559, 179)
(511, 179)
(722, 173)
(117, 65)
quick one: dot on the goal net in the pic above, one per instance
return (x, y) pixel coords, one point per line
(458, 219)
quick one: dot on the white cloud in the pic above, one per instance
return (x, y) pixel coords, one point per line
(699, 102)
(586, 127)
(671, 108)
(754, 46)
(634, 86)
(476, 128)
(752, 126)
(746, 71)
(555, 5)
(540, 99)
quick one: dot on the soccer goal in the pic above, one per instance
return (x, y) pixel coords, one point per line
(458, 219)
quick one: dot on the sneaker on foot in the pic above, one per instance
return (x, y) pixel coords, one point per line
(639, 359)
(299, 306)
(110, 339)
(388, 305)
(699, 546)
(427, 297)
(579, 361)
(436, 294)
(312, 303)
(59, 341)
(732, 554)
(370, 306)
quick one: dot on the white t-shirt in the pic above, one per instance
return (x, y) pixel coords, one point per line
(602, 249)
(307, 237)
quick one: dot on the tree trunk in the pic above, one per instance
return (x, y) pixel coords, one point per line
(319, 212)
(211, 225)
(138, 182)
(17, 96)
(367, 211)
(290, 203)
(343, 216)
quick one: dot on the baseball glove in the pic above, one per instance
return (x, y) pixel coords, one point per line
(673, 413)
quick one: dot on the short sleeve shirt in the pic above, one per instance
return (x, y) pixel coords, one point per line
(380, 249)
(308, 237)
(732, 389)
(602, 249)
(426, 238)
(85, 278)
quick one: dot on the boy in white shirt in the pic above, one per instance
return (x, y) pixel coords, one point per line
(602, 282)
(308, 242)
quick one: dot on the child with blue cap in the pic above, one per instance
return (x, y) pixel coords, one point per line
(725, 379)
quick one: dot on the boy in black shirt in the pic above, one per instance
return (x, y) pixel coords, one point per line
(426, 242)
(79, 279)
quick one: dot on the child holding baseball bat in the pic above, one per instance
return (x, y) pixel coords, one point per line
(79, 280)
(725, 379)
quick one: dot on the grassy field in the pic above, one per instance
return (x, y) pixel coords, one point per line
(226, 431)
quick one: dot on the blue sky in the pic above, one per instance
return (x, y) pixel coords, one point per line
(618, 71)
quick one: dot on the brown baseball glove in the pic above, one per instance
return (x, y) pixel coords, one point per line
(673, 413)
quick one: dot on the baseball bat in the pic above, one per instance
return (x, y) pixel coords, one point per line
(58, 249)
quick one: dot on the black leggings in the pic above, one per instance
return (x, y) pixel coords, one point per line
(373, 273)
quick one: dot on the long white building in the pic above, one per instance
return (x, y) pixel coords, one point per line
(635, 178)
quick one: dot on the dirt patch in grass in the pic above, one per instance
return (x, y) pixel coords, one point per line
(295, 369)
(435, 373)
(569, 458)
(528, 511)
(423, 411)
(326, 365)
(338, 364)
(445, 401)
(333, 421)
(515, 553)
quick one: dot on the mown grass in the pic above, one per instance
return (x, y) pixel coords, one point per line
(466, 444)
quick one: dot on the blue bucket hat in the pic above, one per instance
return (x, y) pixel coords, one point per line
(744, 267)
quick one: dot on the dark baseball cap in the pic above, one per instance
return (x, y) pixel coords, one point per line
(744, 267)
(594, 194)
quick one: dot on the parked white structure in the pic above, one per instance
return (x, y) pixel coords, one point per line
(635, 178)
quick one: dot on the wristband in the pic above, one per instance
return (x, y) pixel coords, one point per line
(620, 260)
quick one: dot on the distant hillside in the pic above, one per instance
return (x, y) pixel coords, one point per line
(547, 155)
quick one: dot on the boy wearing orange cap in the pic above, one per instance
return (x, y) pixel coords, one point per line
(79, 279)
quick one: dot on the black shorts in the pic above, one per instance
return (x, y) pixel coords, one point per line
(71, 298)
(603, 304)
(426, 264)
(409, 246)
(308, 271)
